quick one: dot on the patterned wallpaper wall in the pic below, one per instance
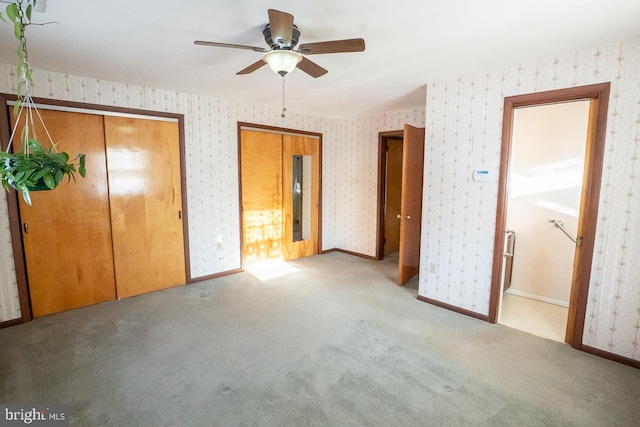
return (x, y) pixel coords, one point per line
(354, 180)
(464, 125)
(349, 155)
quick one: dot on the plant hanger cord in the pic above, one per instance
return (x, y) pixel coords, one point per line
(32, 167)
(24, 90)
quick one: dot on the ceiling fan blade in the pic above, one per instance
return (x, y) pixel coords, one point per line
(231, 45)
(251, 68)
(281, 24)
(335, 46)
(311, 68)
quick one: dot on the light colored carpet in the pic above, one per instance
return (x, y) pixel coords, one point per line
(335, 344)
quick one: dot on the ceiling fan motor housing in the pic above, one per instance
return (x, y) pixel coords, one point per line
(295, 36)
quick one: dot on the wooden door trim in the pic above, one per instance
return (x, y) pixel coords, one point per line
(19, 260)
(12, 197)
(599, 95)
(274, 129)
(382, 181)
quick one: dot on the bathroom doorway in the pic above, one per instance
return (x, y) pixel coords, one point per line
(553, 208)
(545, 187)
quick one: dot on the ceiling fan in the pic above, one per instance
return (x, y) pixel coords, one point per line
(282, 37)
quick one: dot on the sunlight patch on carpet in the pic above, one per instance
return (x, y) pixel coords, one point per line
(270, 269)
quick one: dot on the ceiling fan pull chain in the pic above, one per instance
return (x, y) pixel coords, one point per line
(283, 105)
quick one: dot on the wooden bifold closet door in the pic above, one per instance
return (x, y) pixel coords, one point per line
(118, 231)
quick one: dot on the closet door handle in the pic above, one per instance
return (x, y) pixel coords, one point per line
(25, 227)
(179, 214)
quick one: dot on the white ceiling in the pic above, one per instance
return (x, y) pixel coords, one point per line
(408, 44)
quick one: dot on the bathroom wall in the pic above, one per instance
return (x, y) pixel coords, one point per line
(547, 167)
(464, 127)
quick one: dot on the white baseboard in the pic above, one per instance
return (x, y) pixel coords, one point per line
(537, 297)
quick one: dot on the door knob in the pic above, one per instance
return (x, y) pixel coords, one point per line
(25, 227)
(403, 217)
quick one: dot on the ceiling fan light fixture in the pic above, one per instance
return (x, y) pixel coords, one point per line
(282, 61)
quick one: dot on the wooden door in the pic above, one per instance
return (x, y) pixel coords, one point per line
(143, 158)
(261, 174)
(67, 231)
(411, 204)
(304, 242)
(392, 197)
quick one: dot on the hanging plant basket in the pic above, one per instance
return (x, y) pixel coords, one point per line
(32, 167)
(37, 168)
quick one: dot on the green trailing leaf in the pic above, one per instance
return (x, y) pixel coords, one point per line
(28, 13)
(59, 176)
(60, 157)
(26, 196)
(39, 174)
(12, 12)
(19, 89)
(81, 169)
(17, 29)
(36, 148)
(49, 181)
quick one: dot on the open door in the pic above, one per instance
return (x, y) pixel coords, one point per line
(411, 204)
(300, 195)
(280, 194)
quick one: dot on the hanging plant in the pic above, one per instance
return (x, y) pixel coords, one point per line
(32, 167)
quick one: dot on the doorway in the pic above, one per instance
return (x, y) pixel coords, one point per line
(545, 186)
(400, 179)
(280, 196)
(391, 191)
(596, 99)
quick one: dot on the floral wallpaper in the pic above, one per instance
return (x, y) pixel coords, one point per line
(464, 125)
(463, 118)
(211, 148)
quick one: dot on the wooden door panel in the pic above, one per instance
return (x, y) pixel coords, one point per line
(68, 244)
(261, 172)
(411, 204)
(305, 146)
(143, 158)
